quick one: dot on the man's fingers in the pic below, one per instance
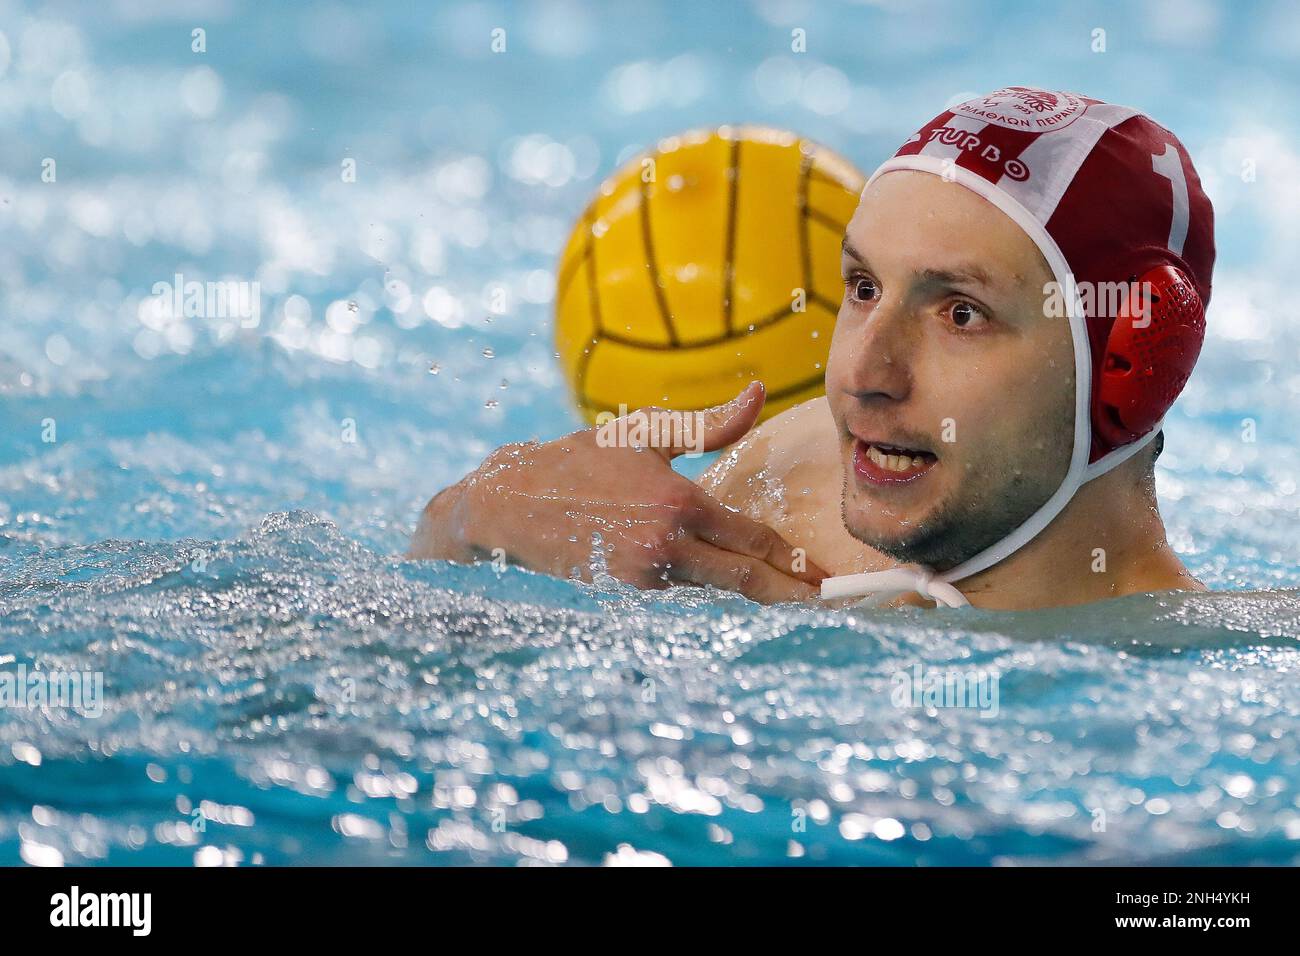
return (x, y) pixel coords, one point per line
(714, 522)
(699, 562)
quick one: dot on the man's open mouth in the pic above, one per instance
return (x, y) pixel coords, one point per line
(880, 464)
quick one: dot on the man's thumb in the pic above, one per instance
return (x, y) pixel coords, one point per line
(723, 424)
(674, 433)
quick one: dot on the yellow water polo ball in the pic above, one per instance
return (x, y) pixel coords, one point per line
(702, 265)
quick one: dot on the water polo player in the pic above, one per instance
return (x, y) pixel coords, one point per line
(993, 408)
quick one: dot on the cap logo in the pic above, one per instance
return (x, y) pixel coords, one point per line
(1025, 108)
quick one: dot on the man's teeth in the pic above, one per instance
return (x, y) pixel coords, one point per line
(893, 462)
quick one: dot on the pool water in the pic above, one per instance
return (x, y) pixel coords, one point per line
(209, 512)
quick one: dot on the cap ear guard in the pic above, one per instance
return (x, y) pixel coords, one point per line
(1149, 355)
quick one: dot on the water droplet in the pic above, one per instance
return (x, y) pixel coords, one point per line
(435, 368)
(491, 403)
(504, 385)
(352, 306)
(488, 353)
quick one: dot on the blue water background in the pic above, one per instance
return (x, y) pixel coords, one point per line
(281, 688)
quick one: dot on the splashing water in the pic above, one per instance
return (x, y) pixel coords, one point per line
(296, 697)
(206, 511)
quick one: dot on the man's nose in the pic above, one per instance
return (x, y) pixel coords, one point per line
(881, 361)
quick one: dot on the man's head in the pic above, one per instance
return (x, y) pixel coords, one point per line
(942, 347)
(976, 379)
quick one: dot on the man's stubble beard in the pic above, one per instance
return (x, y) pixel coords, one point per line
(970, 520)
(959, 528)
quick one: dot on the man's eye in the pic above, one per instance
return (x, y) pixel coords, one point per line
(966, 315)
(862, 289)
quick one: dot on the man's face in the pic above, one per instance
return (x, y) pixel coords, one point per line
(952, 392)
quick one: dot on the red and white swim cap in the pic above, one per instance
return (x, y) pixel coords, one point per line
(1109, 196)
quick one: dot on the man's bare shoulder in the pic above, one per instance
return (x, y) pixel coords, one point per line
(786, 458)
(787, 474)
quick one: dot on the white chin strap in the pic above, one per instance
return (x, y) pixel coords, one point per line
(895, 581)
(938, 587)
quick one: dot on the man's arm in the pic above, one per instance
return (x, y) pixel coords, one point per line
(543, 504)
(435, 535)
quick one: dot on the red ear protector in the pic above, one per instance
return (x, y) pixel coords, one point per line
(1149, 355)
